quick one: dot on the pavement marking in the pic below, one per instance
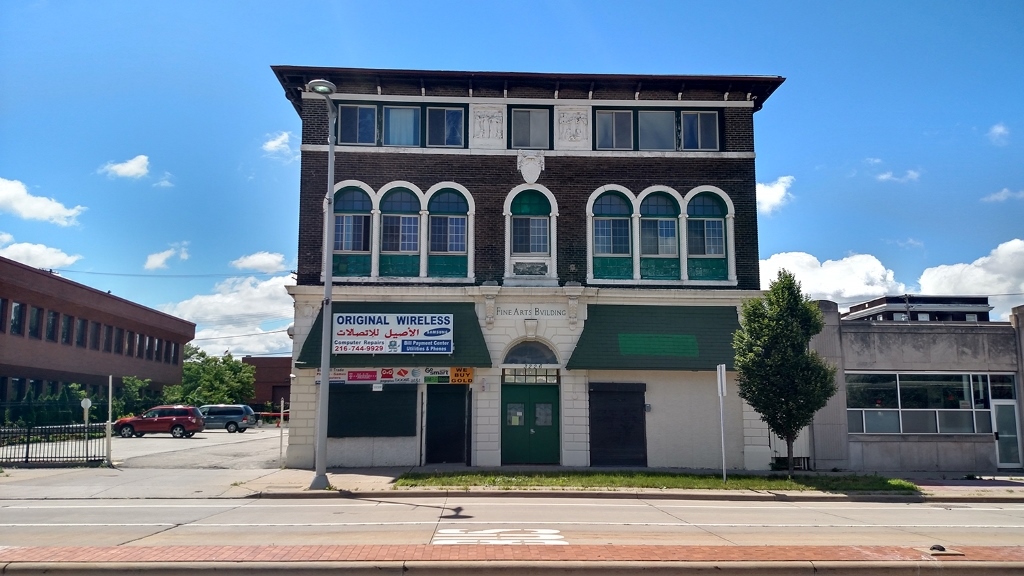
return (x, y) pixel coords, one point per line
(501, 536)
(497, 522)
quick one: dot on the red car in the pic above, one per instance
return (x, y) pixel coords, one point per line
(180, 421)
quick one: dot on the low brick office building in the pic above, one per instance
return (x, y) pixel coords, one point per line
(273, 381)
(54, 331)
(527, 268)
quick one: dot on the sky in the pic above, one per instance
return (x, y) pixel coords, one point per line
(147, 149)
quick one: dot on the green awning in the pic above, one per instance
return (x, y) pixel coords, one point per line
(470, 350)
(655, 338)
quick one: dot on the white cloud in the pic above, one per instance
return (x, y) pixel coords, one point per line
(1004, 195)
(278, 146)
(135, 168)
(266, 262)
(872, 161)
(910, 243)
(159, 260)
(909, 176)
(243, 315)
(999, 134)
(35, 255)
(164, 182)
(771, 197)
(854, 278)
(1001, 272)
(15, 199)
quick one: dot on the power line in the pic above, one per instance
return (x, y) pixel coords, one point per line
(241, 335)
(68, 271)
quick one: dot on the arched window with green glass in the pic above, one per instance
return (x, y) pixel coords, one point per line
(705, 238)
(352, 208)
(531, 215)
(400, 233)
(612, 236)
(448, 256)
(659, 237)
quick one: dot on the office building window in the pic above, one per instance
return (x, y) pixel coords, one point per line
(445, 127)
(35, 322)
(358, 125)
(52, 323)
(67, 329)
(531, 128)
(401, 126)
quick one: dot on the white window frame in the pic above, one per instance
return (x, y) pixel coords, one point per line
(358, 107)
(550, 259)
(675, 245)
(532, 145)
(385, 122)
(462, 128)
(408, 233)
(611, 237)
(597, 126)
(339, 227)
(448, 234)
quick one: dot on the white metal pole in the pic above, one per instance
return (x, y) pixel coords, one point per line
(280, 444)
(320, 454)
(721, 412)
(110, 416)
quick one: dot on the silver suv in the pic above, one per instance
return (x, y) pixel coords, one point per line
(232, 417)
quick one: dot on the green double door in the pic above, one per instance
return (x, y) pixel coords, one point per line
(529, 431)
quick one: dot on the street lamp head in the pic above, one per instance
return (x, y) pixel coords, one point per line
(321, 86)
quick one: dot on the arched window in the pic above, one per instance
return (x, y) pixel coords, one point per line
(531, 213)
(448, 228)
(705, 237)
(352, 232)
(612, 236)
(659, 237)
(400, 233)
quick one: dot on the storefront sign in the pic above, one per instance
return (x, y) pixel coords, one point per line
(337, 376)
(461, 376)
(532, 311)
(392, 334)
(436, 375)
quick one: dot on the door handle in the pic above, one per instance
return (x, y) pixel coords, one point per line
(532, 431)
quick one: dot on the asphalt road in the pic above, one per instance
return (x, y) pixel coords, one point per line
(504, 520)
(256, 448)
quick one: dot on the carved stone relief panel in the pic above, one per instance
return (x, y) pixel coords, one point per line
(572, 128)
(487, 128)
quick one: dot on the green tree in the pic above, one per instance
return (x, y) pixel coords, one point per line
(778, 375)
(212, 380)
(134, 397)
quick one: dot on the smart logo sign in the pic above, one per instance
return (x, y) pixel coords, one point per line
(393, 334)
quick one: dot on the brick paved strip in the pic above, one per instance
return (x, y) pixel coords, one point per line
(534, 553)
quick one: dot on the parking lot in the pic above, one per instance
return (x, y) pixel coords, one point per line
(257, 448)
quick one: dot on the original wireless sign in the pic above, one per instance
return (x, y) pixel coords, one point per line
(393, 334)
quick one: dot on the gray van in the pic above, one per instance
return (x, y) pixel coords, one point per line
(232, 417)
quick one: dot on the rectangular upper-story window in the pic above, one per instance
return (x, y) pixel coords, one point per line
(17, 319)
(129, 344)
(700, 130)
(352, 232)
(94, 335)
(401, 126)
(531, 128)
(614, 130)
(400, 233)
(81, 332)
(52, 323)
(118, 340)
(445, 127)
(67, 329)
(657, 129)
(3, 315)
(448, 234)
(358, 125)
(108, 338)
(35, 322)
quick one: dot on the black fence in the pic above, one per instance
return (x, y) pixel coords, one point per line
(60, 444)
(33, 413)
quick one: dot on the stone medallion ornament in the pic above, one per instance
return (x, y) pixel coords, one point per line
(530, 164)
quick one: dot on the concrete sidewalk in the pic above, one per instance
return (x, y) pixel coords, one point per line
(79, 483)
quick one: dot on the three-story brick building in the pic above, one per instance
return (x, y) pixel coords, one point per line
(527, 268)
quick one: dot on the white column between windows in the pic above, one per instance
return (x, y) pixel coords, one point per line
(424, 224)
(470, 245)
(730, 249)
(683, 272)
(635, 233)
(508, 244)
(553, 244)
(374, 243)
(590, 247)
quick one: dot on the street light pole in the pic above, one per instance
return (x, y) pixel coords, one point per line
(320, 482)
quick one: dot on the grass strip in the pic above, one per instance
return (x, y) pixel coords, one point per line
(658, 480)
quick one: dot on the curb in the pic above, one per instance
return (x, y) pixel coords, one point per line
(511, 568)
(739, 496)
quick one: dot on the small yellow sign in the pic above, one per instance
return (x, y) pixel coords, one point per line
(461, 376)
